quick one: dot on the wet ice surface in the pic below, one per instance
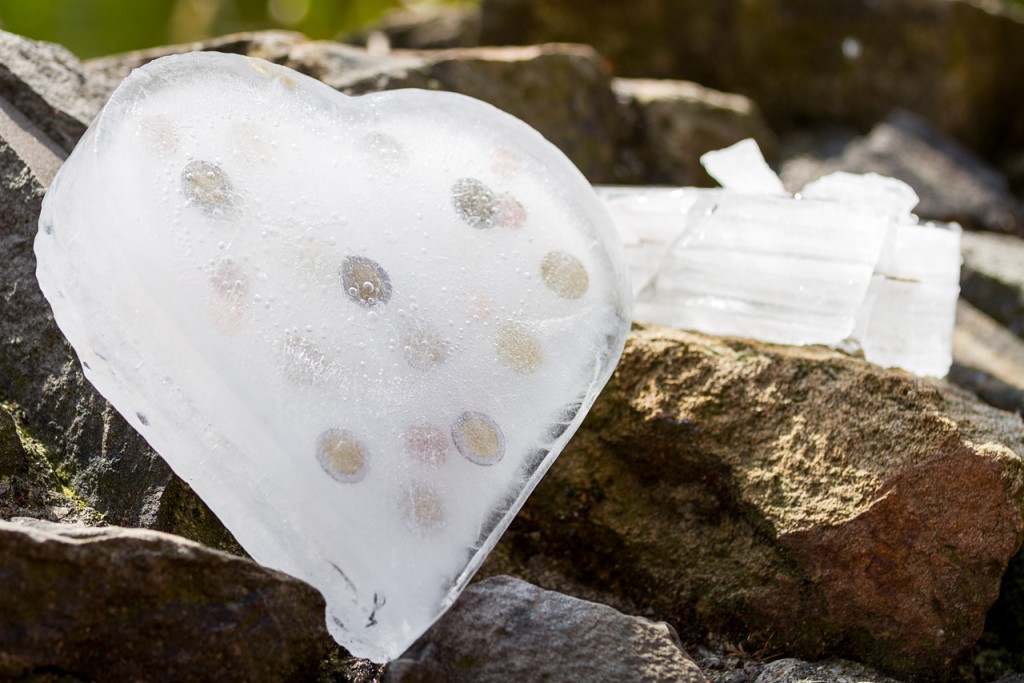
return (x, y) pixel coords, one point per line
(845, 264)
(361, 328)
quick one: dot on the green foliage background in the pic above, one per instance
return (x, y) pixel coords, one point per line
(91, 28)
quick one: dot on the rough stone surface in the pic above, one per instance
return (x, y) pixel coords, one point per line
(953, 183)
(93, 450)
(832, 671)
(49, 86)
(791, 496)
(29, 487)
(564, 91)
(678, 121)
(958, 62)
(988, 360)
(506, 630)
(117, 604)
(992, 277)
(13, 459)
(1004, 629)
(84, 455)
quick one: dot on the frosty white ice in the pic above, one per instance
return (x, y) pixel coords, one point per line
(845, 263)
(360, 328)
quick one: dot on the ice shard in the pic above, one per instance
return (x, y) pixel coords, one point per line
(362, 329)
(844, 263)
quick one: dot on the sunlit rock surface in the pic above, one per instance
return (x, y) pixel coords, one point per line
(845, 263)
(360, 328)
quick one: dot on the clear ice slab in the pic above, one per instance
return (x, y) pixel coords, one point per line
(362, 329)
(845, 263)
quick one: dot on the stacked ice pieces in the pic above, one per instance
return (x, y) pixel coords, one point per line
(361, 328)
(845, 263)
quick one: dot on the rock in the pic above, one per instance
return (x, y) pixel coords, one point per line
(953, 183)
(39, 372)
(564, 91)
(94, 458)
(504, 629)
(117, 604)
(803, 61)
(988, 360)
(790, 496)
(13, 460)
(49, 87)
(679, 121)
(832, 671)
(426, 26)
(992, 277)
(1004, 630)
(28, 485)
(725, 662)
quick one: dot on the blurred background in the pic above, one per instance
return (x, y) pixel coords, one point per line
(91, 28)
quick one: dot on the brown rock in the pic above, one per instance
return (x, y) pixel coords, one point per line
(117, 604)
(679, 121)
(806, 500)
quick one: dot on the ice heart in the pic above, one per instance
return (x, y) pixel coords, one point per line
(361, 328)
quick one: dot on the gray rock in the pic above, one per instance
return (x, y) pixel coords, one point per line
(506, 630)
(953, 183)
(988, 359)
(116, 604)
(13, 460)
(992, 277)
(49, 86)
(93, 454)
(831, 671)
(109, 464)
(678, 121)
(28, 485)
(850, 61)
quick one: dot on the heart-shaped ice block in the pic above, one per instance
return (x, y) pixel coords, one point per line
(361, 328)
